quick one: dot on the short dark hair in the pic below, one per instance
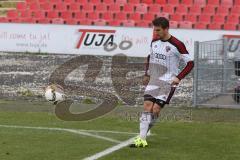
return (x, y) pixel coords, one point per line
(161, 22)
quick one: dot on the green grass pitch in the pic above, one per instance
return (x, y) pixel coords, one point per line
(208, 134)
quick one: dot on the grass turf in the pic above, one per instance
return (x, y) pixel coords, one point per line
(211, 134)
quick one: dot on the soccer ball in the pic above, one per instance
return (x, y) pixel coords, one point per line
(54, 93)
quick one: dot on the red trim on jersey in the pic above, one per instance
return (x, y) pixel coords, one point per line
(187, 69)
(178, 44)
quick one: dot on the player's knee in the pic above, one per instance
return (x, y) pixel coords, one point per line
(148, 106)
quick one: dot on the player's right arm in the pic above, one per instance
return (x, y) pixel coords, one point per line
(146, 77)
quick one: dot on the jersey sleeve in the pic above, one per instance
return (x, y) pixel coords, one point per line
(187, 59)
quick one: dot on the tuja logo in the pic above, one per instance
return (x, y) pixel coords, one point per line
(95, 37)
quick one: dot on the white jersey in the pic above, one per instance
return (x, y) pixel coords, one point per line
(165, 57)
(164, 66)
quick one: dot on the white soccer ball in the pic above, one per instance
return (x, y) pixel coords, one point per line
(54, 93)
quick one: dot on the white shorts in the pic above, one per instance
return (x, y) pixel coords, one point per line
(158, 89)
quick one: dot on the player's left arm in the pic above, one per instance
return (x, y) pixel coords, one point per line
(188, 67)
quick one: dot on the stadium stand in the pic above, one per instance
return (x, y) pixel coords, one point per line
(189, 14)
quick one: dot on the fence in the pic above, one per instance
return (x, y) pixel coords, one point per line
(216, 74)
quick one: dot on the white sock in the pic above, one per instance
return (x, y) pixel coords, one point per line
(145, 120)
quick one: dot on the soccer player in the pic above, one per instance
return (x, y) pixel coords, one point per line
(162, 75)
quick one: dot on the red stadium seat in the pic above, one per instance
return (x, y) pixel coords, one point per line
(200, 2)
(222, 10)
(237, 2)
(107, 16)
(14, 20)
(228, 3)
(154, 8)
(95, 1)
(173, 2)
(135, 16)
(187, 2)
(12, 13)
(86, 22)
(101, 7)
(34, 6)
(38, 14)
(185, 24)
(25, 14)
(161, 2)
(28, 20)
(21, 6)
(108, 1)
(87, 7)
(55, 1)
(93, 15)
(219, 19)
(191, 18)
(71, 21)
(200, 26)
(100, 22)
(114, 8)
(66, 14)
(213, 3)
(43, 1)
(3, 19)
(128, 8)
(121, 16)
(61, 7)
(209, 10)
(143, 24)
(74, 7)
(182, 9)
(69, 1)
(195, 10)
(169, 9)
(52, 14)
(46, 6)
(215, 26)
(148, 16)
(205, 18)
(80, 15)
(229, 26)
(121, 2)
(114, 23)
(173, 24)
(234, 19)
(148, 1)
(235, 10)
(134, 1)
(129, 23)
(141, 8)
(82, 2)
(43, 21)
(162, 14)
(176, 17)
(57, 21)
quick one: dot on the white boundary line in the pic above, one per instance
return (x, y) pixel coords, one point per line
(85, 133)
(110, 150)
(64, 130)
(114, 132)
(92, 135)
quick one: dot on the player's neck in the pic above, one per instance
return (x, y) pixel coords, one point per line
(167, 37)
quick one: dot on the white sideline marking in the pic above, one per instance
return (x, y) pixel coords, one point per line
(92, 135)
(65, 130)
(114, 132)
(110, 150)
